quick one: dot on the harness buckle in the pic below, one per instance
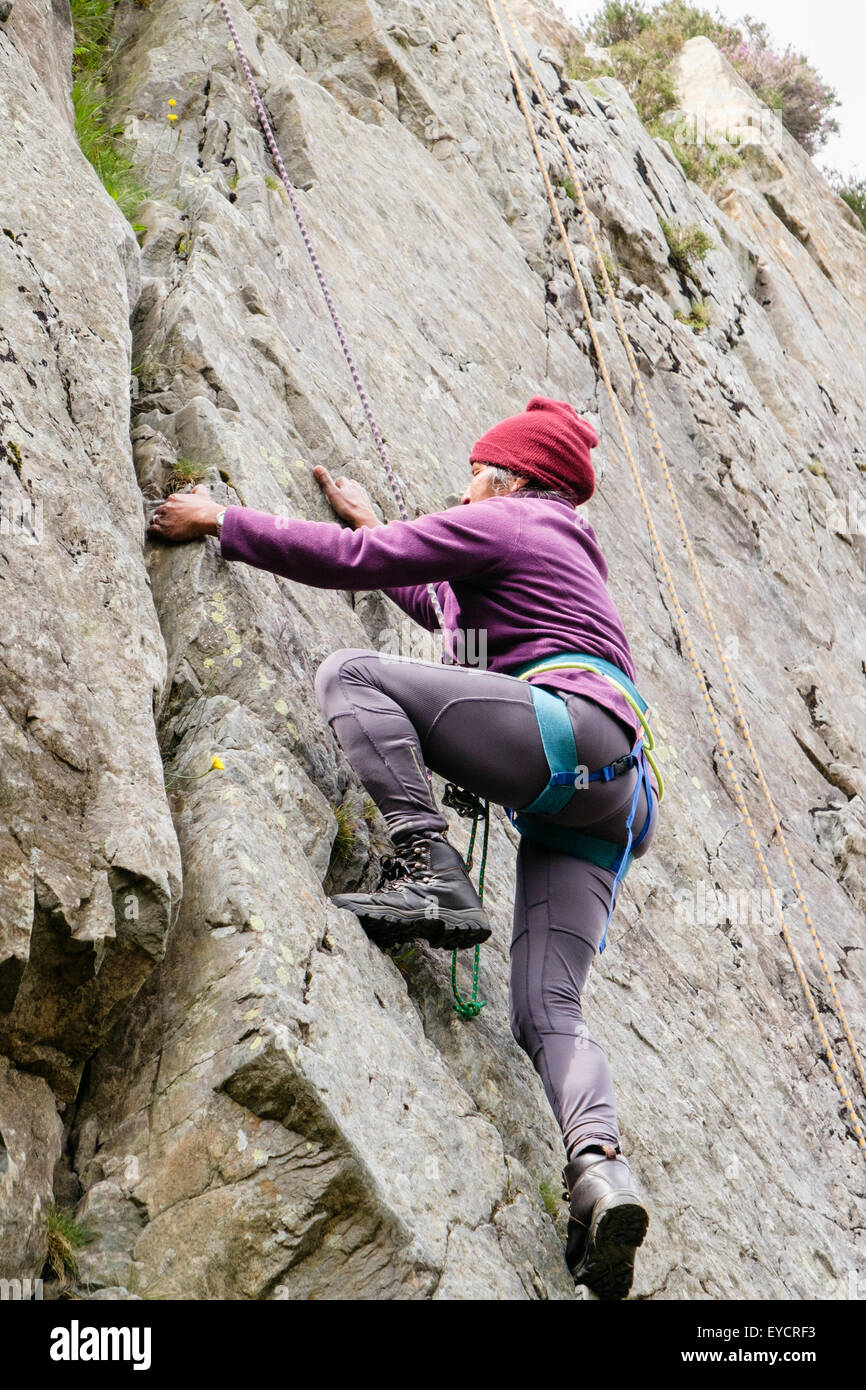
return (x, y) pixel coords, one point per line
(618, 766)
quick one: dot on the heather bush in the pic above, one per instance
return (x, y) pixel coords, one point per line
(642, 42)
(785, 81)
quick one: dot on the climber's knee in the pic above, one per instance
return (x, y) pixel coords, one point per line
(329, 674)
(561, 1005)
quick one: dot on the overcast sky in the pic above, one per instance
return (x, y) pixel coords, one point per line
(832, 35)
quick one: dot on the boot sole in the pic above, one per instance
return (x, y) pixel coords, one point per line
(452, 929)
(618, 1226)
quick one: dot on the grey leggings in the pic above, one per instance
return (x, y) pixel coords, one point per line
(478, 728)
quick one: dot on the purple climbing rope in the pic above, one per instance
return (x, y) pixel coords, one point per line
(466, 1008)
(287, 184)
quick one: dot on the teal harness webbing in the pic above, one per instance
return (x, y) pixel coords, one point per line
(566, 774)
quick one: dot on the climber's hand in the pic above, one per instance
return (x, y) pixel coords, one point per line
(347, 497)
(184, 516)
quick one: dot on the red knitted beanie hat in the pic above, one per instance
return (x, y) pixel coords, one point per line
(548, 441)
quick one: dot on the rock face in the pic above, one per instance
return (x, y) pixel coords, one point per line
(90, 862)
(272, 1107)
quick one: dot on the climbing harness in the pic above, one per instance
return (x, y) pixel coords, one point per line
(567, 775)
(693, 563)
(588, 661)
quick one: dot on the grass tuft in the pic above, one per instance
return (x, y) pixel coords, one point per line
(98, 137)
(344, 840)
(612, 274)
(705, 163)
(698, 319)
(185, 471)
(567, 185)
(65, 1237)
(550, 1196)
(686, 245)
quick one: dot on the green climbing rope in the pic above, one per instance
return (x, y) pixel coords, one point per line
(471, 1008)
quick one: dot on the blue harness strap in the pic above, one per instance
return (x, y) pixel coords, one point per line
(566, 775)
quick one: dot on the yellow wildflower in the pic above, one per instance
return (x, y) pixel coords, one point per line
(172, 117)
(218, 764)
(172, 102)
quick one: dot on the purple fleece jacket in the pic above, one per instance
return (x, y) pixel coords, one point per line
(527, 569)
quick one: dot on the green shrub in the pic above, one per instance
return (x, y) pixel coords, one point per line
(648, 83)
(787, 82)
(618, 21)
(685, 245)
(642, 44)
(580, 68)
(854, 194)
(851, 190)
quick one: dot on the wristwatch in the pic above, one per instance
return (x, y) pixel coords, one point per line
(220, 517)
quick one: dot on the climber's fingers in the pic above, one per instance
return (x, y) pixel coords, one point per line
(183, 516)
(348, 498)
(328, 484)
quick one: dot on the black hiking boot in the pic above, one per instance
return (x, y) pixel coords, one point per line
(431, 897)
(607, 1221)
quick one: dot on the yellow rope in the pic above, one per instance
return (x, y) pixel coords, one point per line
(828, 1050)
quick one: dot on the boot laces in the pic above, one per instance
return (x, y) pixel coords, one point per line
(390, 866)
(408, 865)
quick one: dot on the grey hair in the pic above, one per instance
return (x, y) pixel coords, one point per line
(502, 479)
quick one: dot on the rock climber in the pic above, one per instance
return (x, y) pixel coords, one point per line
(516, 562)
